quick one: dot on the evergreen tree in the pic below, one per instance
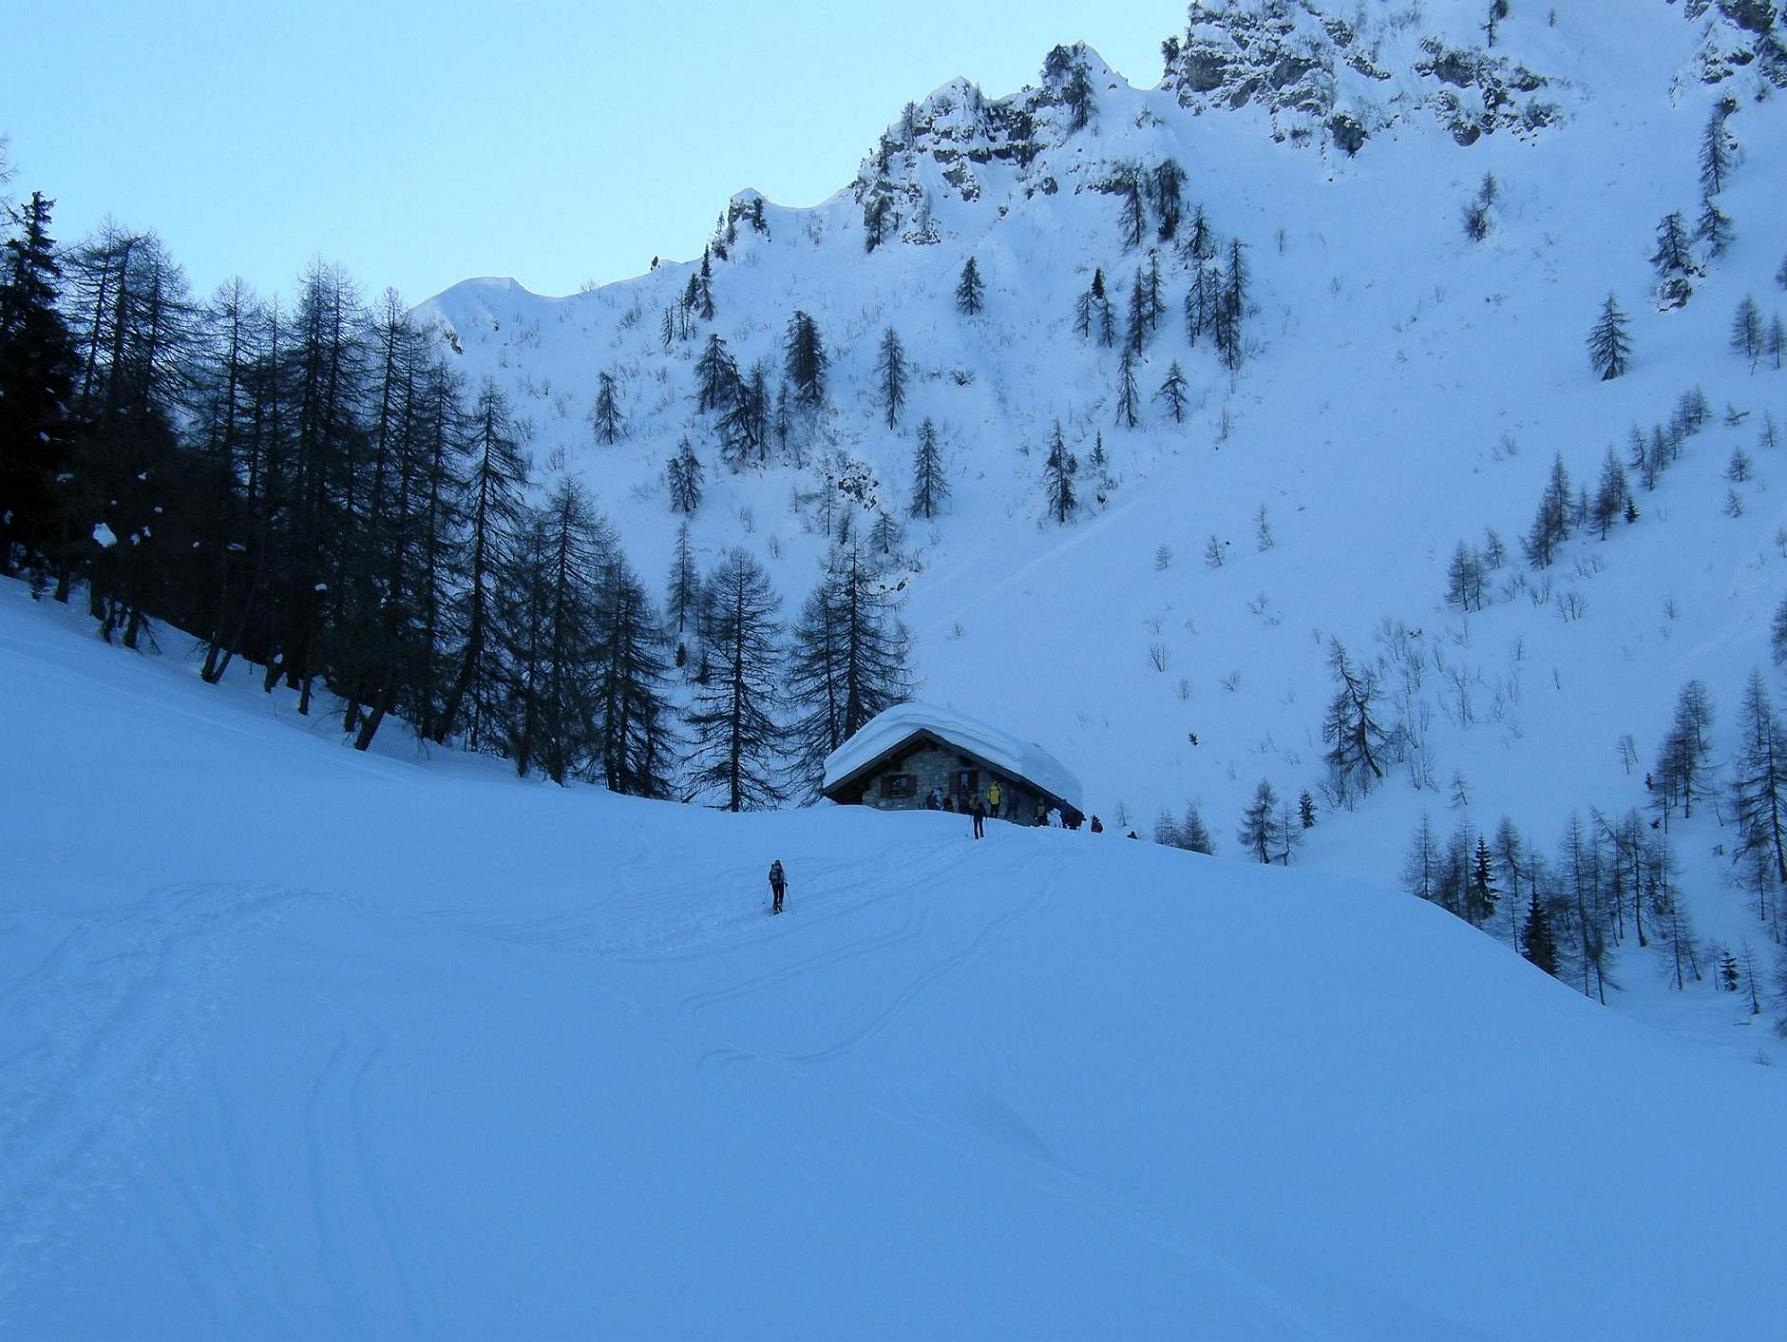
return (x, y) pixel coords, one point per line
(683, 591)
(1746, 332)
(1481, 900)
(1058, 473)
(1200, 238)
(930, 486)
(1231, 310)
(1172, 391)
(1192, 834)
(890, 369)
(552, 695)
(1351, 730)
(1551, 524)
(1611, 495)
(1715, 153)
(636, 746)
(704, 288)
(1537, 945)
(745, 424)
(1674, 262)
(1135, 338)
(494, 513)
(1093, 317)
(1760, 788)
(1259, 833)
(606, 418)
(1464, 579)
(717, 381)
(805, 360)
(1609, 344)
(37, 372)
(850, 662)
(1713, 228)
(1306, 810)
(1423, 866)
(1682, 761)
(1133, 220)
(737, 739)
(970, 291)
(1126, 391)
(682, 478)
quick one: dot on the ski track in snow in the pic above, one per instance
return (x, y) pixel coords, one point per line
(121, 1001)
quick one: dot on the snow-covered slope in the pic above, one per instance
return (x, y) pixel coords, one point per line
(1405, 388)
(300, 1042)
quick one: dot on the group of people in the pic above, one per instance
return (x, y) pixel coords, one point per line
(994, 805)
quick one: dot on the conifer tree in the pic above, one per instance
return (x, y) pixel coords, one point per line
(1746, 332)
(851, 660)
(1126, 391)
(890, 370)
(37, 372)
(1483, 895)
(1464, 579)
(1172, 391)
(704, 288)
(1058, 474)
(1306, 810)
(1259, 823)
(1682, 761)
(1611, 495)
(1715, 153)
(737, 739)
(1200, 238)
(683, 591)
(805, 360)
(1674, 262)
(1193, 836)
(1537, 944)
(1551, 524)
(1231, 310)
(635, 747)
(682, 478)
(745, 424)
(1609, 345)
(1093, 317)
(1132, 221)
(1422, 867)
(1135, 337)
(494, 513)
(930, 486)
(1759, 789)
(716, 376)
(606, 417)
(1713, 228)
(1351, 729)
(970, 291)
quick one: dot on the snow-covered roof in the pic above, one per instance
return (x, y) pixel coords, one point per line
(1002, 750)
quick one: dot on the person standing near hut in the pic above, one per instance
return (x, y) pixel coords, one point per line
(980, 819)
(994, 797)
(778, 882)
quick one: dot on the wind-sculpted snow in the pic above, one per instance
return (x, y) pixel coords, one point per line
(300, 1042)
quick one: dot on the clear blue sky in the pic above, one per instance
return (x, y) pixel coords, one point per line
(423, 143)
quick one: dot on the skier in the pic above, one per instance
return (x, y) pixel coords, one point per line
(980, 819)
(777, 884)
(994, 797)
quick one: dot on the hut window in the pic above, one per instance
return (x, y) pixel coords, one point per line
(895, 786)
(967, 782)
